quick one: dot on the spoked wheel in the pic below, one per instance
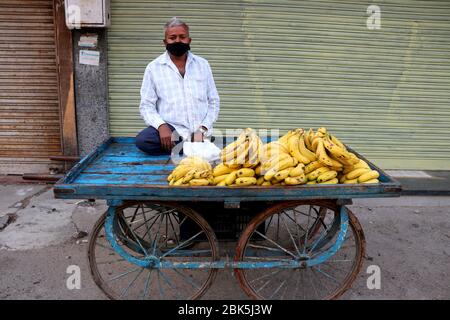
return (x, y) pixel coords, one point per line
(146, 241)
(321, 244)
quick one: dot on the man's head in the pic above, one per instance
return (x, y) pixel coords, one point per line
(176, 37)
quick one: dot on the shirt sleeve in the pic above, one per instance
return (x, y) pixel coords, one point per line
(213, 101)
(149, 97)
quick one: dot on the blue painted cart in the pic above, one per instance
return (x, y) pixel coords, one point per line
(162, 242)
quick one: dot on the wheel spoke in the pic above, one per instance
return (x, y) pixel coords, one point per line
(266, 275)
(278, 289)
(147, 284)
(306, 234)
(271, 241)
(292, 238)
(124, 274)
(125, 291)
(293, 220)
(190, 281)
(327, 276)
(173, 229)
(175, 291)
(180, 245)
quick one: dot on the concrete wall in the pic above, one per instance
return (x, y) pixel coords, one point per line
(91, 94)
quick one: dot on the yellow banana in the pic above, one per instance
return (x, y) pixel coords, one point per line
(316, 173)
(231, 178)
(242, 152)
(180, 172)
(339, 153)
(361, 164)
(221, 169)
(189, 176)
(234, 166)
(202, 174)
(314, 144)
(322, 154)
(322, 130)
(332, 181)
(171, 182)
(294, 150)
(308, 140)
(291, 181)
(245, 172)
(337, 142)
(221, 183)
(372, 181)
(312, 182)
(373, 174)
(285, 138)
(348, 169)
(326, 176)
(199, 182)
(298, 170)
(356, 173)
(170, 177)
(313, 166)
(283, 174)
(245, 181)
(266, 183)
(220, 178)
(260, 181)
(353, 158)
(252, 157)
(178, 182)
(276, 159)
(350, 181)
(283, 164)
(304, 150)
(258, 170)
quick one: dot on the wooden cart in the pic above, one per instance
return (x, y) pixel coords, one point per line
(161, 242)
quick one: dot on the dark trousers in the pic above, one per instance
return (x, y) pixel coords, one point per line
(148, 141)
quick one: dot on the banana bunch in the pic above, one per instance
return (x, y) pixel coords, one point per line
(244, 152)
(359, 173)
(334, 164)
(192, 171)
(224, 175)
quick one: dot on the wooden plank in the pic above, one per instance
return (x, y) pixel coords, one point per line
(121, 179)
(88, 159)
(213, 193)
(119, 168)
(134, 159)
(66, 81)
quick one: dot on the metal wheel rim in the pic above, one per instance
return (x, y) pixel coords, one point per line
(98, 229)
(253, 225)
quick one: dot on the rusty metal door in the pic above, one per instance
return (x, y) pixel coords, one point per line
(29, 112)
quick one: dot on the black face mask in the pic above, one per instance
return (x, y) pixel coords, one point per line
(178, 48)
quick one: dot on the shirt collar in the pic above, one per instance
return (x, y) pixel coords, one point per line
(166, 58)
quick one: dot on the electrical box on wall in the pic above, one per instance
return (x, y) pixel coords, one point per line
(87, 13)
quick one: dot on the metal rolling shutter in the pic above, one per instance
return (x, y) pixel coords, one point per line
(284, 64)
(29, 113)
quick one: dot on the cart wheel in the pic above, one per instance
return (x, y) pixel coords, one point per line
(325, 256)
(148, 231)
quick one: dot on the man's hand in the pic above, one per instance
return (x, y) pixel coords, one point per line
(165, 136)
(197, 137)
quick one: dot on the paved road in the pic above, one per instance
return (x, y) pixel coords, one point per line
(408, 238)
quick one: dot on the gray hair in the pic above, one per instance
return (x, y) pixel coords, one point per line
(175, 22)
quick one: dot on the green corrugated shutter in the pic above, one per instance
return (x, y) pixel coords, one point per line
(286, 64)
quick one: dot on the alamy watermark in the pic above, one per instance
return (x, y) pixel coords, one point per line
(74, 280)
(374, 280)
(374, 20)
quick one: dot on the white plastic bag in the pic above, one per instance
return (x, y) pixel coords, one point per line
(207, 150)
